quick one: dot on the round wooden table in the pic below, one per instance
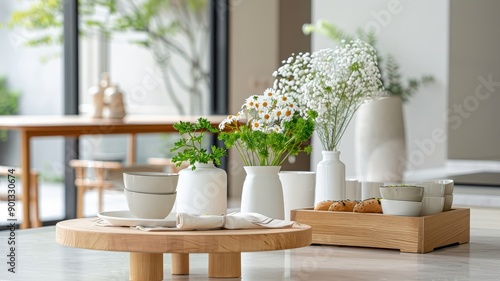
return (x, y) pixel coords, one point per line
(146, 249)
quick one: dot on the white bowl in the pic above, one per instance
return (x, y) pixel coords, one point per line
(151, 182)
(448, 201)
(448, 186)
(433, 189)
(401, 208)
(432, 205)
(402, 193)
(148, 205)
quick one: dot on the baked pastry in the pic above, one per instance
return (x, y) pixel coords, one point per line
(371, 205)
(342, 206)
(323, 205)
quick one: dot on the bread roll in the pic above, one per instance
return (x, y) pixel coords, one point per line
(371, 205)
(343, 206)
(323, 205)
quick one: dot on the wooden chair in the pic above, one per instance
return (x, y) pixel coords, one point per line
(35, 219)
(102, 175)
(167, 163)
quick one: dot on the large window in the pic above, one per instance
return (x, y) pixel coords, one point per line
(163, 55)
(32, 68)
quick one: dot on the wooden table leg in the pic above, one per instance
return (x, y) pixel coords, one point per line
(131, 149)
(25, 178)
(35, 200)
(224, 265)
(146, 267)
(180, 264)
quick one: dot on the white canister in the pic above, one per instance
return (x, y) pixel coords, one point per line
(202, 191)
(298, 190)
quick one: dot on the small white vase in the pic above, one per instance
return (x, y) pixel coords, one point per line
(202, 191)
(330, 177)
(380, 143)
(262, 192)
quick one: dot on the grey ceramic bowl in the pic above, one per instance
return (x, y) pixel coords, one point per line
(402, 193)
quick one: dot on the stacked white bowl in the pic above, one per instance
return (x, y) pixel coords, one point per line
(448, 193)
(402, 200)
(150, 195)
(433, 201)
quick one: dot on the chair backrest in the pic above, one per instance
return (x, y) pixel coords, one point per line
(168, 164)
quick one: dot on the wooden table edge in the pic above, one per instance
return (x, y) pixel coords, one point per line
(66, 235)
(147, 264)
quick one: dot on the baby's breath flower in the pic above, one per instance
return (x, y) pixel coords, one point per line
(344, 79)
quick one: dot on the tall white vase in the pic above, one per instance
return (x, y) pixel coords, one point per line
(262, 192)
(330, 177)
(202, 191)
(380, 143)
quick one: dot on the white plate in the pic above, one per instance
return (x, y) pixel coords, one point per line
(125, 218)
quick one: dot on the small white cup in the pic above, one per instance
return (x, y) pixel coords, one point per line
(352, 189)
(298, 190)
(448, 202)
(433, 188)
(448, 186)
(370, 189)
(432, 205)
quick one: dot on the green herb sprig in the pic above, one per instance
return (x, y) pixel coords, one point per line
(190, 149)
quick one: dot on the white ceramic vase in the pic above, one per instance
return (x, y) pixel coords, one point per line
(330, 177)
(262, 192)
(202, 191)
(380, 143)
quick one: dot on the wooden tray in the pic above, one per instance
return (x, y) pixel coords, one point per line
(408, 234)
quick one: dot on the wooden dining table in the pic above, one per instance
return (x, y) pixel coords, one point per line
(31, 126)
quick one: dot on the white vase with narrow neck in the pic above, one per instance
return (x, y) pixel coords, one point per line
(262, 192)
(202, 191)
(330, 177)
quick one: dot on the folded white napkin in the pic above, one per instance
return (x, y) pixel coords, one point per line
(230, 221)
(185, 221)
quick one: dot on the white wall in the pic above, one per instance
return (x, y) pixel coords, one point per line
(474, 60)
(416, 34)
